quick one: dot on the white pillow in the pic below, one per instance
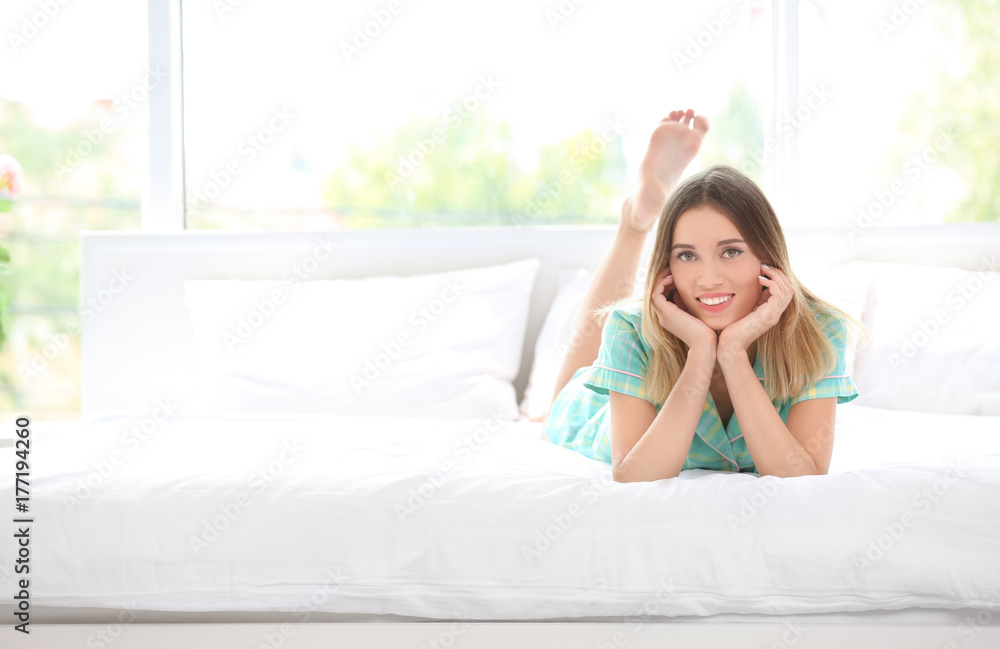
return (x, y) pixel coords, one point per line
(553, 340)
(556, 335)
(438, 345)
(934, 345)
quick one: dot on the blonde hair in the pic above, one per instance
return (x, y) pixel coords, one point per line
(795, 351)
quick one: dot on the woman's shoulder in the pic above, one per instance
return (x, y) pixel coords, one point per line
(622, 336)
(627, 313)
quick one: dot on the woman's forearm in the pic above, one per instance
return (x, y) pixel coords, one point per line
(664, 447)
(774, 449)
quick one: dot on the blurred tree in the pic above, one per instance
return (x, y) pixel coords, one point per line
(78, 176)
(965, 107)
(737, 135)
(81, 161)
(461, 171)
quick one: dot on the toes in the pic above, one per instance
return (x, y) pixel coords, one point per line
(688, 118)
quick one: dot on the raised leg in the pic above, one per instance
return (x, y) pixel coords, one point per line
(672, 146)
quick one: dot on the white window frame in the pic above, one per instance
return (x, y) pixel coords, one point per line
(163, 201)
(781, 169)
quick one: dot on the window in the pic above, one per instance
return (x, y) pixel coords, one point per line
(305, 115)
(904, 106)
(73, 115)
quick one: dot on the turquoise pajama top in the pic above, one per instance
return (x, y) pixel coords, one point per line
(580, 417)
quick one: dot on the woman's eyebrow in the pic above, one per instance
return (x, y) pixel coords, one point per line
(721, 243)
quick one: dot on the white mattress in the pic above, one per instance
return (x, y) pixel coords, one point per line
(509, 528)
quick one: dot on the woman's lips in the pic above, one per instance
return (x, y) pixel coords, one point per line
(717, 308)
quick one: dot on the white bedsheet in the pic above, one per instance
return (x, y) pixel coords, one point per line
(461, 519)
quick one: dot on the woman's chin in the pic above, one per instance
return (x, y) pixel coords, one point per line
(718, 323)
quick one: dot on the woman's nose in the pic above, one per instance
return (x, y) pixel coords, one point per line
(709, 275)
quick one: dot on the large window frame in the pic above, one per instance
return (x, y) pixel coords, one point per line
(164, 202)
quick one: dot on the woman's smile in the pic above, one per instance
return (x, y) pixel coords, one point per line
(716, 304)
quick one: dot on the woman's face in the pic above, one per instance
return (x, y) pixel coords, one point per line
(709, 259)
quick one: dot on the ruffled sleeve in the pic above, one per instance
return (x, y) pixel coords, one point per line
(622, 360)
(838, 383)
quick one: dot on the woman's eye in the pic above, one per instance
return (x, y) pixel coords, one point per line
(736, 250)
(680, 255)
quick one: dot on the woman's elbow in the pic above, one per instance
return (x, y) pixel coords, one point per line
(617, 475)
(620, 473)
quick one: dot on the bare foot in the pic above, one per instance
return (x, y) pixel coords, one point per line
(672, 146)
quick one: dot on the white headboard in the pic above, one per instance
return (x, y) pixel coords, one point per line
(138, 338)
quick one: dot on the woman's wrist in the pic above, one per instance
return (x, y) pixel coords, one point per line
(730, 354)
(698, 371)
(702, 354)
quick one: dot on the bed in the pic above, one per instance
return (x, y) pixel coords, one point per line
(201, 499)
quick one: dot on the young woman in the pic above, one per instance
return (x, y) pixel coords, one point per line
(726, 361)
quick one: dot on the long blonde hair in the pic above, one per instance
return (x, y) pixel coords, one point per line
(795, 351)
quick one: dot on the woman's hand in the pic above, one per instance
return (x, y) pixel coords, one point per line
(675, 318)
(773, 301)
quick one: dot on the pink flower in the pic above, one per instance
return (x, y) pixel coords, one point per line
(11, 180)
